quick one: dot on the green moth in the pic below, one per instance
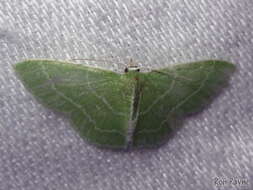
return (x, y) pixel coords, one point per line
(122, 110)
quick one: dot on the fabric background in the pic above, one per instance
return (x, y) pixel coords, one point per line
(39, 149)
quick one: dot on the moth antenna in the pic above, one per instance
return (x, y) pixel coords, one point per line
(96, 60)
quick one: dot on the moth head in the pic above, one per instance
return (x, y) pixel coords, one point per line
(131, 67)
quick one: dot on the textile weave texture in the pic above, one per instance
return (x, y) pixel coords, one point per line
(40, 150)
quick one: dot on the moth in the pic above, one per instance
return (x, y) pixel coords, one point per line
(129, 109)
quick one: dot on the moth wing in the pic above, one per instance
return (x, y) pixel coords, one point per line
(97, 101)
(171, 93)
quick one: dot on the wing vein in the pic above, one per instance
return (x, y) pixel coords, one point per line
(103, 99)
(159, 98)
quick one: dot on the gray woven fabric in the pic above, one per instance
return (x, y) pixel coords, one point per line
(39, 149)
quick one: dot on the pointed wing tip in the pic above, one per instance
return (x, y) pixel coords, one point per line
(23, 63)
(228, 68)
(28, 63)
(20, 66)
(224, 63)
